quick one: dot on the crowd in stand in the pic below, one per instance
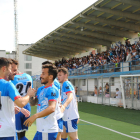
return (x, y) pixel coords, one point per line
(113, 56)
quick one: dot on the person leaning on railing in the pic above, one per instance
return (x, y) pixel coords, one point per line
(107, 90)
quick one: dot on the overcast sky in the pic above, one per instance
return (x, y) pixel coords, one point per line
(36, 18)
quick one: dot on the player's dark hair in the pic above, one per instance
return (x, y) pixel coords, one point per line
(4, 62)
(46, 62)
(64, 70)
(52, 69)
(14, 62)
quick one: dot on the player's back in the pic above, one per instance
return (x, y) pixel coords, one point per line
(58, 111)
(8, 94)
(57, 84)
(22, 82)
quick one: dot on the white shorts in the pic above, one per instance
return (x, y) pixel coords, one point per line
(45, 136)
(71, 125)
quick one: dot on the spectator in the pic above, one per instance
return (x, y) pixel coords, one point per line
(95, 91)
(100, 90)
(128, 58)
(107, 91)
(98, 62)
(118, 94)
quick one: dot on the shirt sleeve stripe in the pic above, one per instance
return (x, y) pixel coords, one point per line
(68, 92)
(52, 100)
(17, 97)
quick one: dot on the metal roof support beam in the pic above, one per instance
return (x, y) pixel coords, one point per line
(98, 35)
(59, 46)
(79, 42)
(56, 50)
(42, 56)
(129, 26)
(50, 53)
(89, 39)
(73, 46)
(107, 30)
(38, 55)
(131, 2)
(34, 55)
(69, 40)
(118, 13)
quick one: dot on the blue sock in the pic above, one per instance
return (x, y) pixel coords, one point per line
(23, 138)
(64, 139)
(16, 136)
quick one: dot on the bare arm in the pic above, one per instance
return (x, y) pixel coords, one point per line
(50, 109)
(69, 99)
(21, 102)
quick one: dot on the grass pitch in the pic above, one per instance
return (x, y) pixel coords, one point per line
(103, 123)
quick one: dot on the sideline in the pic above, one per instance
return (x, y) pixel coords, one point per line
(111, 130)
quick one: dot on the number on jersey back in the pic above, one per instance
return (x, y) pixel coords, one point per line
(22, 83)
(22, 89)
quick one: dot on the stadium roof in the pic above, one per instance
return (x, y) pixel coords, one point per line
(103, 23)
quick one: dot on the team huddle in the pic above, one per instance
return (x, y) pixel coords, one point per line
(57, 113)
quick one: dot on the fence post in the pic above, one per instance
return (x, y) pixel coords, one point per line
(132, 91)
(87, 86)
(78, 87)
(102, 89)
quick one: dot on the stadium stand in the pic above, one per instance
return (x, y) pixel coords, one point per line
(108, 61)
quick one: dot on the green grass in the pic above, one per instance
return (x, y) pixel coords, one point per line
(119, 119)
(32, 130)
(115, 113)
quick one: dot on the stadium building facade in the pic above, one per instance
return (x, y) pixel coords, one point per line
(29, 64)
(5, 54)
